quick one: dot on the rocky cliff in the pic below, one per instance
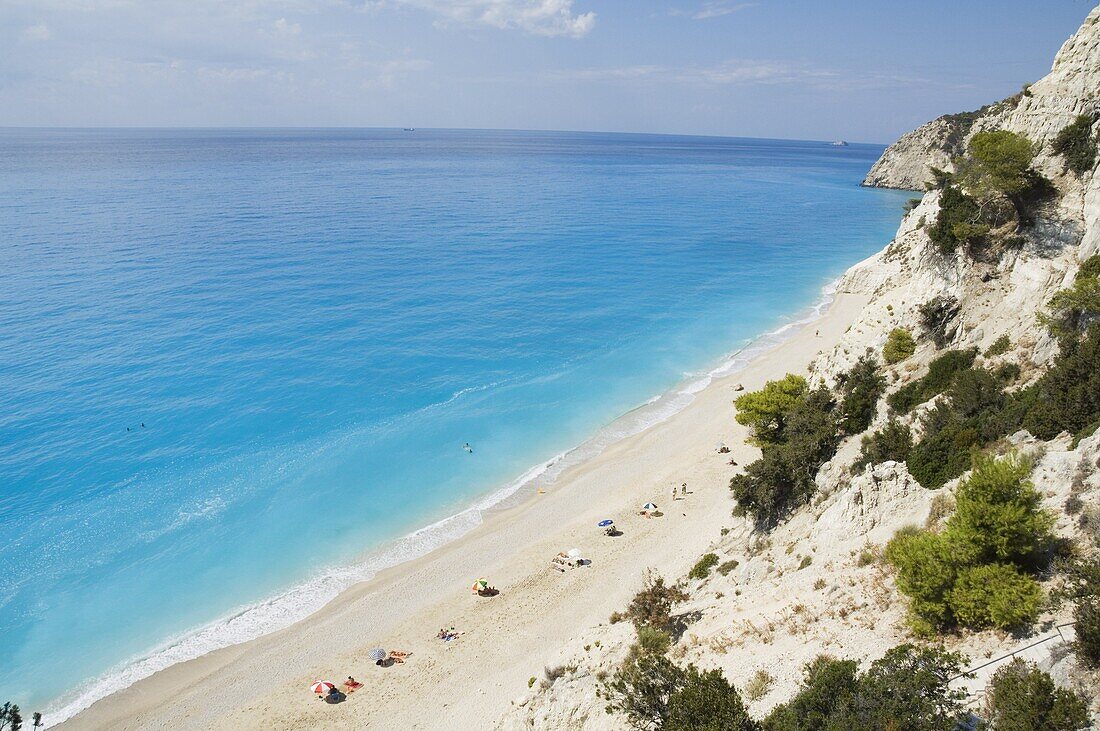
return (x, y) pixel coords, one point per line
(816, 583)
(1038, 113)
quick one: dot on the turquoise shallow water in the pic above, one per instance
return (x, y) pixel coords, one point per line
(234, 364)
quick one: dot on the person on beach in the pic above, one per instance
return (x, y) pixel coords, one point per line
(352, 684)
(398, 656)
(673, 492)
(684, 489)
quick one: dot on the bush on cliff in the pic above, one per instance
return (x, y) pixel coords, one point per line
(1021, 697)
(783, 478)
(892, 442)
(860, 391)
(1076, 143)
(974, 572)
(1082, 586)
(766, 411)
(899, 346)
(1067, 396)
(905, 689)
(938, 317)
(959, 221)
(1076, 306)
(941, 374)
(706, 701)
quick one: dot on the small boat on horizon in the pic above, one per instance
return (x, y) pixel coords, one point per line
(839, 143)
(410, 129)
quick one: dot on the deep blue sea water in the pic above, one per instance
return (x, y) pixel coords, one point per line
(237, 366)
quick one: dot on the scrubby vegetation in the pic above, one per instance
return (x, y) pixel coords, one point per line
(794, 444)
(1076, 143)
(892, 442)
(652, 606)
(906, 689)
(992, 194)
(798, 430)
(1000, 346)
(1083, 588)
(1076, 307)
(1067, 396)
(977, 571)
(941, 374)
(655, 693)
(899, 346)
(10, 718)
(1021, 697)
(938, 316)
(703, 566)
(860, 390)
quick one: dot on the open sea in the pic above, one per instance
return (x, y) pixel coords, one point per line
(238, 367)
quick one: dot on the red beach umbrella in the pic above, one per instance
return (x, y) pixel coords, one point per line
(321, 687)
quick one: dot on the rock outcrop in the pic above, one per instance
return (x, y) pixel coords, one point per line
(1038, 113)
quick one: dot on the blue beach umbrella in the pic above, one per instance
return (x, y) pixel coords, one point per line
(605, 523)
(377, 654)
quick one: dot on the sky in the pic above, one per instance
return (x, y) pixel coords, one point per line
(861, 70)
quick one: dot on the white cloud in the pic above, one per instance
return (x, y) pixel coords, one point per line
(718, 8)
(744, 73)
(538, 17)
(38, 32)
(286, 28)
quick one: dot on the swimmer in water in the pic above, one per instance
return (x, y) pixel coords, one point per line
(468, 448)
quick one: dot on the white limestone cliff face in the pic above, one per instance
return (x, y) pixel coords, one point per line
(817, 584)
(1071, 88)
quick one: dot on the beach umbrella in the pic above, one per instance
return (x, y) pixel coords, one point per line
(649, 506)
(321, 687)
(377, 654)
(479, 585)
(605, 523)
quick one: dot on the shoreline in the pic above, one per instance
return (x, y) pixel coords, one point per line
(174, 684)
(300, 601)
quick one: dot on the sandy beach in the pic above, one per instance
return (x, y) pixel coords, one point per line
(264, 684)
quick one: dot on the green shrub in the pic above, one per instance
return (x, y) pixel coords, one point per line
(707, 702)
(998, 162)
(783, 478)
(1067, 396)
(995, 595)
(899, 346)
(937, 316)
(860, 390)
(1077, 305)
(702, 567)
(652, 606)
(640, 689)
(1077, 144)
(1024, 698)
(1083, 587)
(650, 641)
(766, 410)
(944, 453)
(927, 568)
(805, 562)
(971, 572)
(957, 210)
(906, 689)
(890, 443)
(1000, 346)
(941, 374)
(728, 566)
(998, 514)
(826, 684)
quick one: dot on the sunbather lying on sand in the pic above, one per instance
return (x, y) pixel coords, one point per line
(352, 684)
(398, 656)
(449, 634)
